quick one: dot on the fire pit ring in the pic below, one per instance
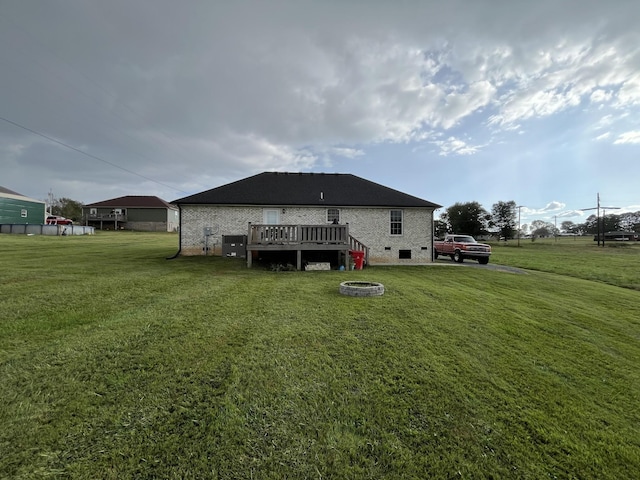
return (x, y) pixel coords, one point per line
(361, 289)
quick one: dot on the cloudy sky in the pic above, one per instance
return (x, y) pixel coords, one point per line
(456, 101)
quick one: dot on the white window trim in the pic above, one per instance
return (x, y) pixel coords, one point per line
(401, 222)
(327, 217)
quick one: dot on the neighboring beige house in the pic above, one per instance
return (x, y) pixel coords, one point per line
(132, 212)
(310, 216)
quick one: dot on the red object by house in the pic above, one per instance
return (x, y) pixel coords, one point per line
(358, 258)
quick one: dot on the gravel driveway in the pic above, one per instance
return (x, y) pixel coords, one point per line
(474, 264)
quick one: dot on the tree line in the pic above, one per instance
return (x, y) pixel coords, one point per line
(471, 218)
(65, 207)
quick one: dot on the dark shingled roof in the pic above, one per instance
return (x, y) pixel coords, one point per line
(330, 189)
(6, 191)
(133, 201)
(11, 192)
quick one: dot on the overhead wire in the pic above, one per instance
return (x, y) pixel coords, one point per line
(92, 80)
(95, 157)
(106, 91)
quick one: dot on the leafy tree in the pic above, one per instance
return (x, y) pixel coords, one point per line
(68, 208)
(540, 228)
(590, 225)
(611, 223)
(504, 218)
(468, 218)
(440, 227)
(630, 221)
(573, 228)
(607, 223)
(568, 226)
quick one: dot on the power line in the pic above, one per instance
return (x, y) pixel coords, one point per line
(71, 147)
(53, 53)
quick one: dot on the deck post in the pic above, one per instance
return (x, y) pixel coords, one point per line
(299, 259)
(346, 252)
(249, 252)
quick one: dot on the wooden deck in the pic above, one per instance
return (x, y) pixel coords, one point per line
(108, 220)
(300, 238)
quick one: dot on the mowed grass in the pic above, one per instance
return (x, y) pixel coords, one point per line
(117, 363)
(616, 263)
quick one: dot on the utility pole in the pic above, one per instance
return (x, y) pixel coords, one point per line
(519, 207)
(597, 207)
(50, 197)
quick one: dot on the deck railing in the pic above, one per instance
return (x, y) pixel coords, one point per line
(303, 237)
(355, 244)
(296, 234)
(111, 217)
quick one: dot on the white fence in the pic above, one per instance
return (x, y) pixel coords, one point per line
(52, 230)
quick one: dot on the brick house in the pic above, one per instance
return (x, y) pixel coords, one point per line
(310, 215)
(132, 212)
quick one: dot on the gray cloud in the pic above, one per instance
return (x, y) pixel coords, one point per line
(225, 89)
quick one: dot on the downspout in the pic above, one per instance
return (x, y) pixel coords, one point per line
(177, 254)
(433, 231)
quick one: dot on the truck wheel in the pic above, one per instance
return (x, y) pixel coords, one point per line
(483, 260)
(435, 254)
(457, 257)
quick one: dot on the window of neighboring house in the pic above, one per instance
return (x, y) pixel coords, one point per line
(333, 215)
(405, 254)
(395, 217)
(93, 211)
(23, 213)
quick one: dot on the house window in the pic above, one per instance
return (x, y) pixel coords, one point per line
(271, 216)
(333, 215)
(395, 217)
(404, 254)
(93, 211)
(23, 213)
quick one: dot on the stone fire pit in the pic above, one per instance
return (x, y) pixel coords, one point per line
(361, 289)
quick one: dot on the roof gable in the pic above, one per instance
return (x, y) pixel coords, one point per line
(309, 189)
(134, 201)
(11, 192)
(6, 193)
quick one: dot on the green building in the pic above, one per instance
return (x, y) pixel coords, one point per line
(18, 209)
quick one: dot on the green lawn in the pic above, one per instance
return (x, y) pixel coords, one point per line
(117, 363)
(617, 263)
